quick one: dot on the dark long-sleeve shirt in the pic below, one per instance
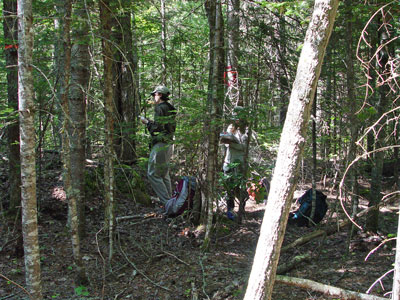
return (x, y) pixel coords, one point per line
(163, 127)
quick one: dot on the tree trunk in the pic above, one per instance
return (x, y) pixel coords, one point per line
(163, 43)
(352, 117)
(27, 142)
(109, 181)
(214, 98)
(125, 91)
(262, 277)
(77, 133)
(372, 223)
(314, 161)
(11, 53)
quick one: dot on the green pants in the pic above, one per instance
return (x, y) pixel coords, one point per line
(158, 171)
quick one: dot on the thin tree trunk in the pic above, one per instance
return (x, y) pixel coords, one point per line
(352, 104)
(372, 223)
(163, 43)
(125, 91)
(215, 96)
(262, 277)
(109, 181)
(27, 142)
(77, 91)
(314, 161)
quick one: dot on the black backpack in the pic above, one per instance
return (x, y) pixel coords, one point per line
(302, 214)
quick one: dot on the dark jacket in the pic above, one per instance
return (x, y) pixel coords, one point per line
(163, 127)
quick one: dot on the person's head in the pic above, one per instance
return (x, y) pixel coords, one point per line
(161, 92)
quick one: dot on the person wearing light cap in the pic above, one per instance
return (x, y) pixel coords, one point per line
(162, 130)
(233, 166)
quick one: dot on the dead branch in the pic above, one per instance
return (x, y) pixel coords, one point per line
(285, 267)
(304, 239)
(177, 258)
(327, 231)
(143, 216)
(325, 289)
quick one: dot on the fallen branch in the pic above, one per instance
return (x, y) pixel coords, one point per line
(16, 284)
(325, 289)
(145, 216)
(327, 231)
(177, 258)
(304, 239)
(285, 267)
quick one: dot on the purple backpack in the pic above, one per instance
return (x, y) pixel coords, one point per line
(182, 197)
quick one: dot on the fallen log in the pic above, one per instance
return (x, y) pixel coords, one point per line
(285, 267)
(325, 289)
(327, 231)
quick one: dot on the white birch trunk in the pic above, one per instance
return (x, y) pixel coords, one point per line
(291, 147)
(27, 148)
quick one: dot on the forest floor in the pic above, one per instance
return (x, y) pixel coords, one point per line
(161, 259)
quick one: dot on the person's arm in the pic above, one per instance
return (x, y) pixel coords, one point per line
(241, 145)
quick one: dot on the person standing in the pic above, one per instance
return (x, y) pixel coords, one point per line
(162, 130)
(233, 166)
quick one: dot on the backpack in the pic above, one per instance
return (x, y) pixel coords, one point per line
(182, 197)
(302, 214)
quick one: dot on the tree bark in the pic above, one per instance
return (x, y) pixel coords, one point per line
(109, 181)
(77, 92)
(262, 277)
(214, 98)
(125, 91)
(27, 148)
(163, 43)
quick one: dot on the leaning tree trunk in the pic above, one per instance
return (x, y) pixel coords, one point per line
(262, 277)
(11, 54)
(27, 142)
(109, 181)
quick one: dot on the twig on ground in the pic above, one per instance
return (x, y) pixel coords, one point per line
(144, 216)
(16, 284)
(139, 271)
(177, 258)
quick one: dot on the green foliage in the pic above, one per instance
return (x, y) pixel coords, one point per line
(81, 291)
(367, 114)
